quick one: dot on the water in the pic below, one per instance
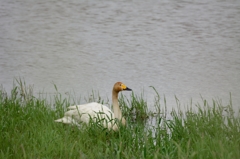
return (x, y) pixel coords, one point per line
(181, 48)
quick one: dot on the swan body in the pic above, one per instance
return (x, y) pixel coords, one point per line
(96, 112)
(84, 113)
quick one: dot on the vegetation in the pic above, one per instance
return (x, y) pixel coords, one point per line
(28, 130)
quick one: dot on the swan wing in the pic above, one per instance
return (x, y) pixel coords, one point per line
(85, 112)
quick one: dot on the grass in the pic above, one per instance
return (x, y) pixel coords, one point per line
(28, 130)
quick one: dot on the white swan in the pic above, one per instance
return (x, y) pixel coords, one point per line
(97, 112)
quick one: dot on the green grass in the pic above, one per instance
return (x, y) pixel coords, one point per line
(28, 130)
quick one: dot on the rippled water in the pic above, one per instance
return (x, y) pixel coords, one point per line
(181, 48)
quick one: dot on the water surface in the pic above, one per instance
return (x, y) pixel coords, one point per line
(181, 48)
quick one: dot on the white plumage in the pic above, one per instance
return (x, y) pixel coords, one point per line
(96, 112)
(83, 113)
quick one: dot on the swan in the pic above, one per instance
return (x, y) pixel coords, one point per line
(84, 113)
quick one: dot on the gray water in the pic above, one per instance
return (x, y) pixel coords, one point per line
(182, 48)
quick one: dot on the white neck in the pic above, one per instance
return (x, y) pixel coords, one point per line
(116, 109)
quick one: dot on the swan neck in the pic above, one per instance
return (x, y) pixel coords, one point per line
(116, 109)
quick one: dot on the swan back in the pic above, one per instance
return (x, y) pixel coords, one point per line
(77, 114)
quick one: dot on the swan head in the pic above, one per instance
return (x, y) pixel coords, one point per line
(119, 86)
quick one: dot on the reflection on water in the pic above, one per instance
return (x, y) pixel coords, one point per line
(180, 48)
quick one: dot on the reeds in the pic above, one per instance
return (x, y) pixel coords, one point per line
(28, 130)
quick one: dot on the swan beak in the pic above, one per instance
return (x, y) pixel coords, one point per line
(127, 89)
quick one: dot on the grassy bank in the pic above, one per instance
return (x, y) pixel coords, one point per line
(28, 130)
